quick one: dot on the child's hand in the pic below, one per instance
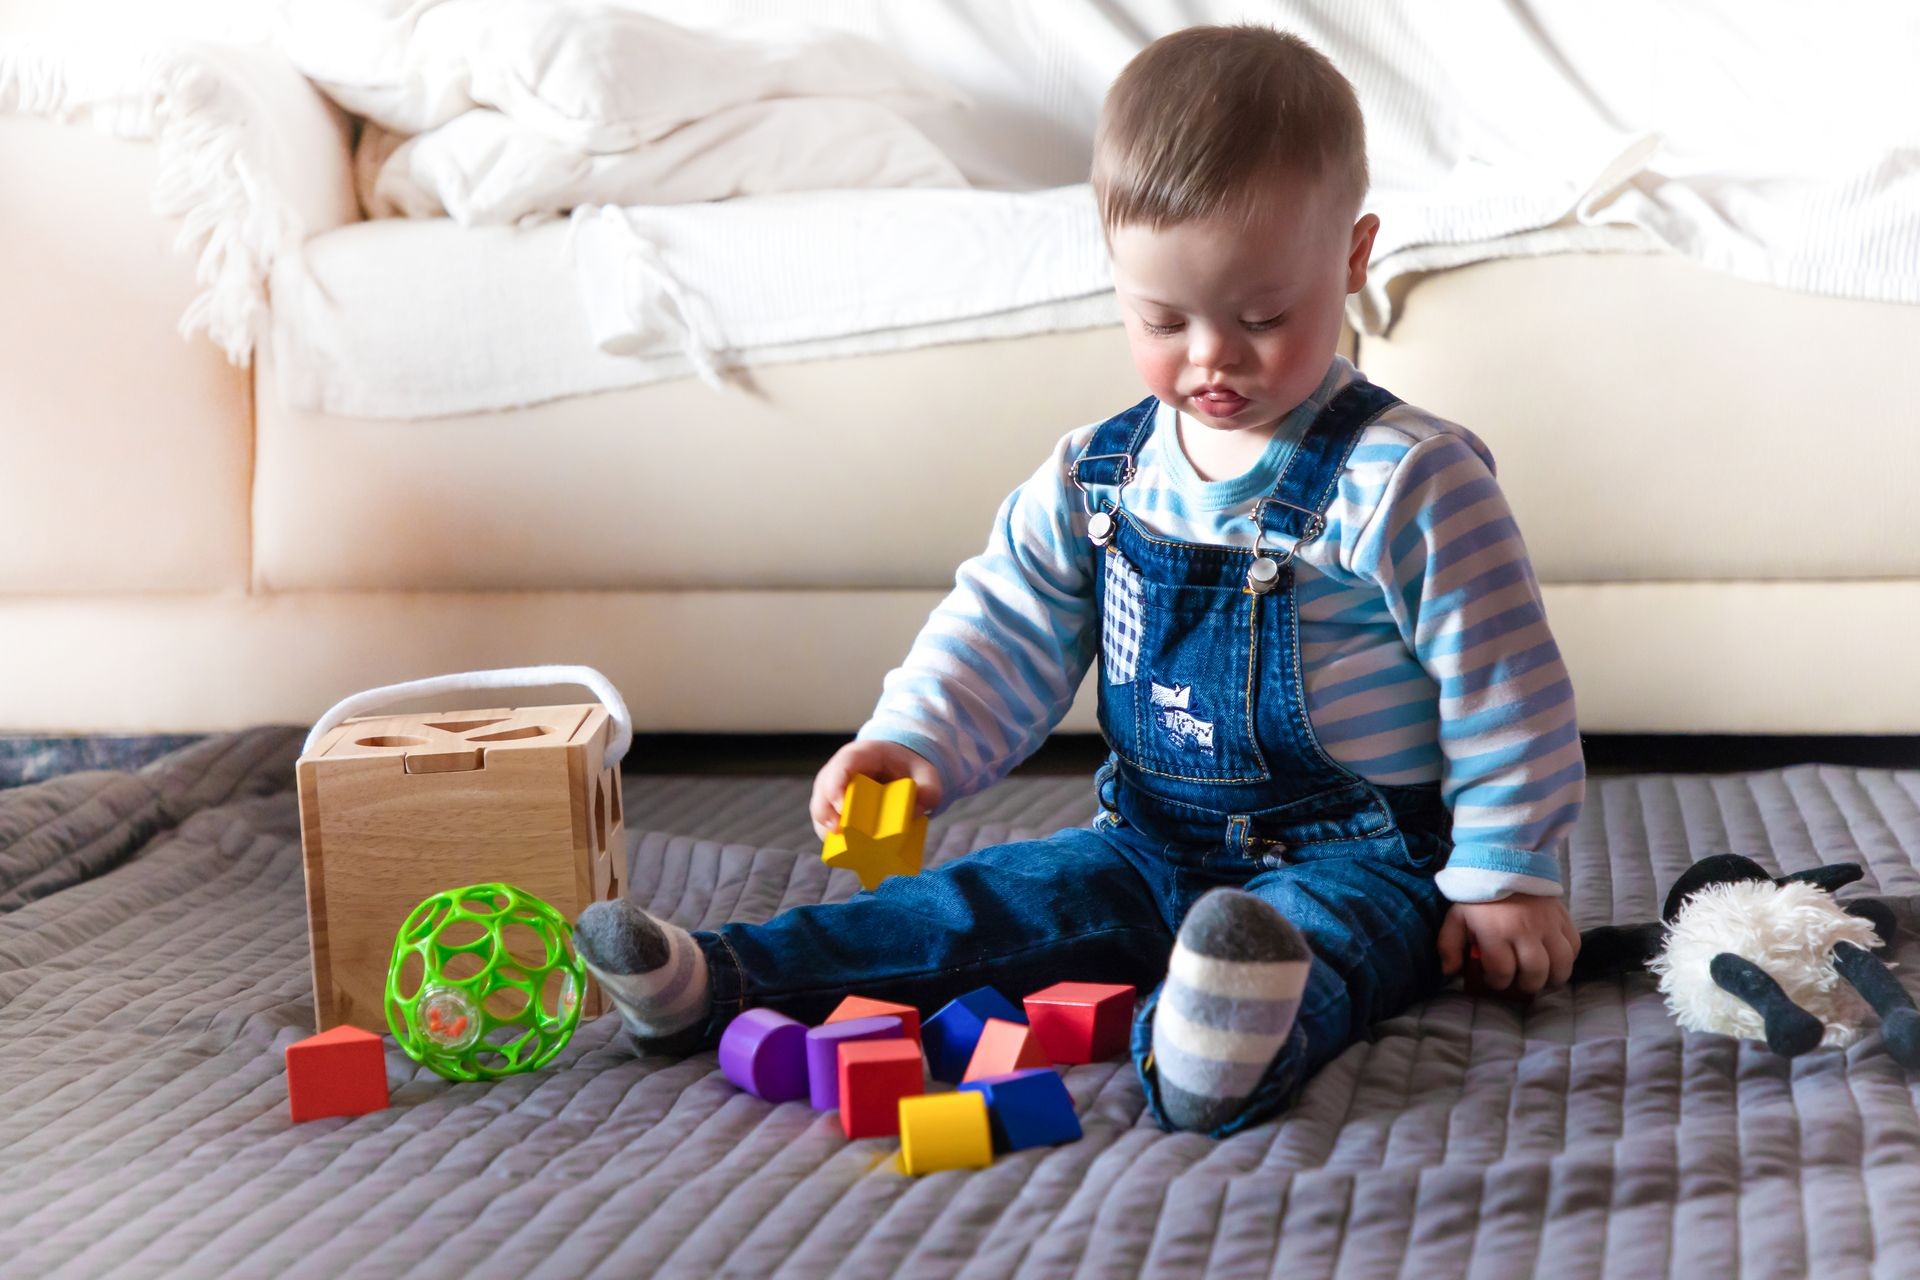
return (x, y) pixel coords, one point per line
(881, 761)
(1525, 942)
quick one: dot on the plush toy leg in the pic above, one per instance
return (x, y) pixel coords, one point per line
(1899, 1022)
(1791, 1030)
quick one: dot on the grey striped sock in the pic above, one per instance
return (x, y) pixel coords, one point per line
(654, 971)
(1233, 987)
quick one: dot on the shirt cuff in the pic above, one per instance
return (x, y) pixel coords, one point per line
(1489, 872)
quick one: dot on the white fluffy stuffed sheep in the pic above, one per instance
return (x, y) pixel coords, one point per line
(1743, 954)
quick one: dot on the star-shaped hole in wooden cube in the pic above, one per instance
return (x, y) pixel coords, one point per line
(882, 831)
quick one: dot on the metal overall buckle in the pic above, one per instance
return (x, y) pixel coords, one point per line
(1263, 575)
(1101, 524)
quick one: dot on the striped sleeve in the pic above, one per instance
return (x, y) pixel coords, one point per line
(1446, 554)
(997, 664)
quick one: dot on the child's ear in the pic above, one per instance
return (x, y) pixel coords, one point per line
(1361, 251)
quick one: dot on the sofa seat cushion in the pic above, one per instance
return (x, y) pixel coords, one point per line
(865, 472)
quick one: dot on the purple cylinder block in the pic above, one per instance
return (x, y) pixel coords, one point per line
(765, 1053)
(823, 1053)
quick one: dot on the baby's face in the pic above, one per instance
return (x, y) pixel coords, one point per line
(1235, 327)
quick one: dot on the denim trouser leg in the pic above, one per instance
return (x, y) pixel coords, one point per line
(1077, 906)
(1373, 921)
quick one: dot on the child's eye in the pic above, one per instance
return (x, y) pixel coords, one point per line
(1159, 330)
(1264, 324)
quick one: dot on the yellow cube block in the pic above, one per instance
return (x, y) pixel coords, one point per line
(882, 831)
(945, 1131)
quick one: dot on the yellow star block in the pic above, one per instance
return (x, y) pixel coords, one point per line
(882, 831)
(944, 1131)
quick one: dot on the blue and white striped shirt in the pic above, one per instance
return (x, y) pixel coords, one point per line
(1423, 642)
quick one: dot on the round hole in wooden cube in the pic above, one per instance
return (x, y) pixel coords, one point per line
(390, 740)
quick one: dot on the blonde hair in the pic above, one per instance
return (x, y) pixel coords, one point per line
(1203, 121)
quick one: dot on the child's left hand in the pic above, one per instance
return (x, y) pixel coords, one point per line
(1525, 942)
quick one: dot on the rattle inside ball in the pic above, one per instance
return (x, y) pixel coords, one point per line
(484, 983)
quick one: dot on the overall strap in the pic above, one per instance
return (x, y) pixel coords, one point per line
(1297, 507)
(1109, 456)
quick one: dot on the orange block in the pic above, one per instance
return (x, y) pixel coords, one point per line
(861, 1007)
(1004, 1048)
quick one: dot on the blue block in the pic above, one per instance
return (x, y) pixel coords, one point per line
(1030, 1108)
(950, 1035)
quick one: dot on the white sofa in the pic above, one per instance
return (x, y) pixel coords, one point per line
(1712, 475)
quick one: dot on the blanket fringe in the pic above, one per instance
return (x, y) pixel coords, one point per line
(184, 101)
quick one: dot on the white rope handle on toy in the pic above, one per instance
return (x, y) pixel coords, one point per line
(504, 678)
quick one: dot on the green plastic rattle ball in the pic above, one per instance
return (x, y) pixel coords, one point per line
(484, 983)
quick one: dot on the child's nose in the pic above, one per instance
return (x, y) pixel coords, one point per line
(1210, 349)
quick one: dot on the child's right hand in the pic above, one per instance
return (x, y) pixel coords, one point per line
(881, 761)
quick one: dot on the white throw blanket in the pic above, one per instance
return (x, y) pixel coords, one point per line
(1774, 142)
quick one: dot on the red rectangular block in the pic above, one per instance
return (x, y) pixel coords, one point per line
(342, 1072)
(874, 1076)
(862, 1007)
(1082, 1021)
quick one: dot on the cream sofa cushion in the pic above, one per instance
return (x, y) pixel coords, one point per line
(126, 450)
(1655, 420)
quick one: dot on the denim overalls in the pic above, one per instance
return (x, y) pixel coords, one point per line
(1215, 778)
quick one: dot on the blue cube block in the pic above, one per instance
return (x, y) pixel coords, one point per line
(950, 1035)
(1030, 1108)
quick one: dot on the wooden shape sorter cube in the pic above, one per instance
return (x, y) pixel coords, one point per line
(395, 808)
(882, 831)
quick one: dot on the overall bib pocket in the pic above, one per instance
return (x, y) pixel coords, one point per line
(1181, 700)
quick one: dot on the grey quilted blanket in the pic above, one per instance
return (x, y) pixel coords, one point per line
(153, 968)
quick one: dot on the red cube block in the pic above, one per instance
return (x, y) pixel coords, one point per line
(1081, 1021)
(861, 1007)
(342, 1072)
(1004, 1048)
(874, 1076)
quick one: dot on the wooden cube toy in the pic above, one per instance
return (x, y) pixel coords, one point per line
(950, 1036)
(342, 1072)
(874, 1076)
(882, 831)
(862, 1007)
(395, 808)
(823, 1053)
(1028, 1109)
(1082, 1021)
(944, 1131)
(765, 1053)
(1004, 1047)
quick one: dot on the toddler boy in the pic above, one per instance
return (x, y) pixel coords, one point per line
(1343, 743)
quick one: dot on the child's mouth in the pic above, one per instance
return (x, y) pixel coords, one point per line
(1221, 404)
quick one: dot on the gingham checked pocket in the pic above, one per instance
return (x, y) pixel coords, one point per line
(1120, 624)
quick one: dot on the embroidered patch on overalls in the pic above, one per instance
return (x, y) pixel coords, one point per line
(1120, 625)
(1173, 711)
